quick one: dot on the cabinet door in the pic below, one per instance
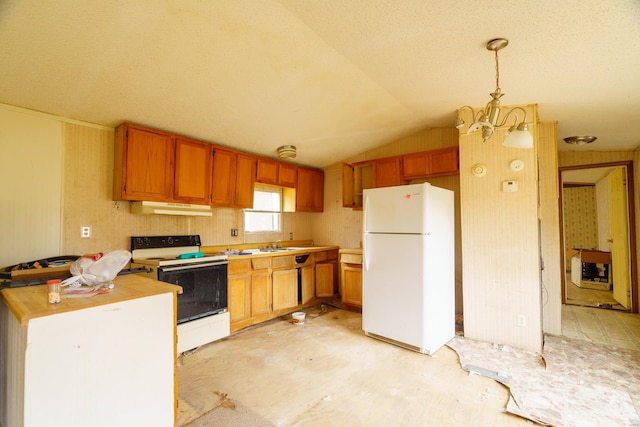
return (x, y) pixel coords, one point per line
(307, 279)
(351, 285)
(285, 289)
(324, 280)
(260, 292)
(287, 175)
(143, 168)
(348, 200)
(317, 191)
(444, 161)
(267, 172)
(245, 180)
(223, 180)
(192, 171)
(310, 190)
(416, 165)
(386, 172)
(238, 290)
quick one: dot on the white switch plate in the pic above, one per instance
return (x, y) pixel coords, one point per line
(85, 231)
(510, 186)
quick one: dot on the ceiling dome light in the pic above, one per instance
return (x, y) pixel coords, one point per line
(580, 140)
(287, 152)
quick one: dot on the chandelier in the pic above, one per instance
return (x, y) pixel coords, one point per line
(488, 120)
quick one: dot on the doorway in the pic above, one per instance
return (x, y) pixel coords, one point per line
(597, 227)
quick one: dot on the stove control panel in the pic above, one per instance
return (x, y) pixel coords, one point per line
(154, 242)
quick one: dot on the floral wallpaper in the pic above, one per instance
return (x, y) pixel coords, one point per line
(580, 217)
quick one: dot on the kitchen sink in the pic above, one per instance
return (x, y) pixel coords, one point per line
(285, 249)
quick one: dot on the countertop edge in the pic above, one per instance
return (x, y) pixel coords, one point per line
(311, 249)
(30, 302)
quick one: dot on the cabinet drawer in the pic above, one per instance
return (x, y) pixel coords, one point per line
(286, 261)
(239, 266)
(261, 263)
(351, 259)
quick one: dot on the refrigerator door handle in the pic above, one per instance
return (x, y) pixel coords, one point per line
(365, 253)
(365, 202)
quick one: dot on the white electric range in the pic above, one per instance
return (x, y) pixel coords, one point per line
(203, 315)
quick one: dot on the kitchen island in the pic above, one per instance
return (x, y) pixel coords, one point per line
(104, 360)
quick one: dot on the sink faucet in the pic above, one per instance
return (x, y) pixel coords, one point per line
(275, 244)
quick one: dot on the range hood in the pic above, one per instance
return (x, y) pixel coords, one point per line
(169, 208)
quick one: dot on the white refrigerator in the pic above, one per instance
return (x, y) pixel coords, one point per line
(408, 277)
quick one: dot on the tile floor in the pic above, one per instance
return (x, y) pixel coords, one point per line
(601, 326)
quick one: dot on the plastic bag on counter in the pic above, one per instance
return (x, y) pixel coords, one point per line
(97, 268)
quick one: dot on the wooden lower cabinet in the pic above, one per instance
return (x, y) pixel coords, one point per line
(307, 280)
(324, 280)
(261, 288)
(239, 294)
(351, 279)
(285, 288)
(260, 292)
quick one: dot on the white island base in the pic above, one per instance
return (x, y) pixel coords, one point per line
(107, 365)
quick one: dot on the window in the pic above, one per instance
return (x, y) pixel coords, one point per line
(266, 215)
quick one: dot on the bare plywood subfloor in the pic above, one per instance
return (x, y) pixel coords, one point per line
(327, 372)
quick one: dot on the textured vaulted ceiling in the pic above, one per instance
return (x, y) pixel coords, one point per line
(333, 77)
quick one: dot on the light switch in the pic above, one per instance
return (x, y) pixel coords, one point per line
(510, 186)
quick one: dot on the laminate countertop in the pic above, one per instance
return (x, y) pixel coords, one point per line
(253, 252)
(356, 251)
(30, 302)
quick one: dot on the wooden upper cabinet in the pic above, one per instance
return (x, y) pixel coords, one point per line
(386, 172)
(192, 171)
(348, 190)
(317, 191)
(416, 165)
(143, 164)
(245, 180)
(443, 161)
(276, 173)
(310, 190)
(287, 174)
(233, 177)
(223, 177)
(267, 172)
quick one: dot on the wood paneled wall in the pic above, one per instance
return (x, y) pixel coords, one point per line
(549, 213)
(500, 244)
(31, 165)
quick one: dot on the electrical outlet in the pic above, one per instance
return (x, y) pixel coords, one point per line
(85, 231)
(234, 232)
(522, 320)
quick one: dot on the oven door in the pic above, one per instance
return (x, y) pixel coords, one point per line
(204, 288)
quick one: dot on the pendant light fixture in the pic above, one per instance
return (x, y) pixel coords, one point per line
(489, 118)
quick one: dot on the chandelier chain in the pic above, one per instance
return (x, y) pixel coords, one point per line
(497, 71)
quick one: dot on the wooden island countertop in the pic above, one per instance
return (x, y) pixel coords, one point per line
(30, 302)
